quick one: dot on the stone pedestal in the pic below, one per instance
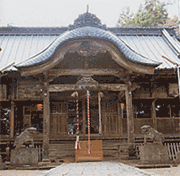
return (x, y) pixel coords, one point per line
(2, 165)
(24, 156)
(157, 154)
(178, 157)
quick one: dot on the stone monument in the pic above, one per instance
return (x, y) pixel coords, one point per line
(155, 153)
(24, 152)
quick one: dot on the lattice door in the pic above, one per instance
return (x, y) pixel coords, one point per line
(59, 117)
(109, 117)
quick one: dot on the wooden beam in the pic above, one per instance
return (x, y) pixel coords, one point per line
(90, 72)
(69, 87)
(121, 95)
(46, 122)
(129, 110)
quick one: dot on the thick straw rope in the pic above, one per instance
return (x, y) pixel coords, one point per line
(100, 95)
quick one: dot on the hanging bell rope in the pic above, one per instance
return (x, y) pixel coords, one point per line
(100, 95)
(75, 94)
(88, 96)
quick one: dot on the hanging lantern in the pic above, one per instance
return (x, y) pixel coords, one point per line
(39, 107)
(122, 105)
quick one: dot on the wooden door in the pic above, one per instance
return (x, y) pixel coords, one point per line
(110, 123)
(59, 117)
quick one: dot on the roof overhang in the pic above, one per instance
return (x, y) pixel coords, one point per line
(100, 39)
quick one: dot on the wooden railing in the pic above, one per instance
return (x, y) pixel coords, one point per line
(39, 147)
(173, 148)
(165, 125)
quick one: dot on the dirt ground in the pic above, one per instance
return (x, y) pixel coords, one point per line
(174, 171)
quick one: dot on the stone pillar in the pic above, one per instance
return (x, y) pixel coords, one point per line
(12, 120)
(46, 122)
(129, 110)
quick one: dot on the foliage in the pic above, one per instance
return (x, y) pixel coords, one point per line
(171, 21)
(151, 13)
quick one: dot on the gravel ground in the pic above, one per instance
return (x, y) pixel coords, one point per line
(174, 171)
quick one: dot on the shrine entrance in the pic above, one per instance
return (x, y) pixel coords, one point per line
(63, 119)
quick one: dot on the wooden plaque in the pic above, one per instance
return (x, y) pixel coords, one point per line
(96, 151)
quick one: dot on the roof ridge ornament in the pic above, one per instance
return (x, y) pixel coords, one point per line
(87, 19)
(87, 8)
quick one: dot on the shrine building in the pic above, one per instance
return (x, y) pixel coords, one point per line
(134, 69)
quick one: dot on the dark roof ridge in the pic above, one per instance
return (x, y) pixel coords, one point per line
(138, 30)
(32, 30)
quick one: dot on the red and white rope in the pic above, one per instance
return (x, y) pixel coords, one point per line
(75, 94)
(88, 96)
(77, 115)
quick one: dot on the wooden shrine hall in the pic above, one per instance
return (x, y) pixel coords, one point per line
(135, 69)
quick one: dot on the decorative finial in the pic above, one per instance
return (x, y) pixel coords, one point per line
(88, 8)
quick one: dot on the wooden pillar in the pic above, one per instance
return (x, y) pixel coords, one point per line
(46, 122)
(129, 110)
(120, 130)
(0, 117)
(153, 113)
(12, 120)
(84, 116)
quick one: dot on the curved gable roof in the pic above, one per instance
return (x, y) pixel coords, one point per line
(87, 32)
(87, 26)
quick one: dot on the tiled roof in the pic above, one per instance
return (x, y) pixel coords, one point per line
(35, 45)
(87, 32)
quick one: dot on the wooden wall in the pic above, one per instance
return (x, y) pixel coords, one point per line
(3, 92)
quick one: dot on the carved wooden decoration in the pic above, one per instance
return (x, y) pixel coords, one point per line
(160, 92)
(173, 89)
(29, 90)
(141, 93)
(86, 48)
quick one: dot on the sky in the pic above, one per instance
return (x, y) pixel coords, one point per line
(44, 13)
